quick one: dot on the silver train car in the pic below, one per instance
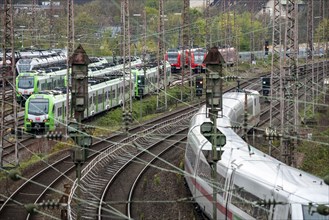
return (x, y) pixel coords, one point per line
(250, 184)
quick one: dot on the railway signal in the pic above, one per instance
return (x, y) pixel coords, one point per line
(54, 135)
(83, 140)
(214, 102)
(215, 137)
(266, 86)
(199, 86)
(266, 47)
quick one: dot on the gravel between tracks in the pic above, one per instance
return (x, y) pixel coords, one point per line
(171, 187)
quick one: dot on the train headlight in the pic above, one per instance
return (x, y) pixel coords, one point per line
(29, 120)
(46, 120)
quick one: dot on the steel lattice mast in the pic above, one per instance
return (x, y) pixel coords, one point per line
(276, 93)
(51, 25)
(8, 113)
(185, 31)
(309, 83)
(208, 22)
(70, 45)
(160, 56)
(291, 86)
(126, 47)
(34, 24)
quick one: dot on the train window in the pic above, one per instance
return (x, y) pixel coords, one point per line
(310, 213)
(25, 82)
(245, 200)
(90, 99)
(59, 111)
(38, 107)
(100, 98)
(191, 156)
(204, 171)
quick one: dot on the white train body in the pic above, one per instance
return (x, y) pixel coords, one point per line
(147, 83)
(101, 97)
(34, 82)
(246, 175)
(28, 64)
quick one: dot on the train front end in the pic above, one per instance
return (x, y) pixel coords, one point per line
(26, 85)
(174, 58)
(39, 116)
(197, 58)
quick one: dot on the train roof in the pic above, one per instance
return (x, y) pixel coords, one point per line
(295, 184)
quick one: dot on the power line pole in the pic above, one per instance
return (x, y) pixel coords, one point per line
(34, 24)
(208, 22)
(70, 46)
(291, 84)
(185, 31)
(8, 113)
(310, 83)
(161, 56)
(51, 24)
(126, 53)
(144, 63)
(252, 35)
(276, 93)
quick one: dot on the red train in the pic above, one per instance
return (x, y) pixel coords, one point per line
(174, 57)
(197, 57)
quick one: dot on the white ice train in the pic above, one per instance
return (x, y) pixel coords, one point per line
(247, 176)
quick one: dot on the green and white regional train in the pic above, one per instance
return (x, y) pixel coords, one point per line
(148, 83)
(34, 82)
(43, 112)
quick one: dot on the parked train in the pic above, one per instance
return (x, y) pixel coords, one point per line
(196, 60)
(29, 64)
(249, 183)
(43, 112)
(33, 82)
(195, 57)
(147, 83)
(173, 56)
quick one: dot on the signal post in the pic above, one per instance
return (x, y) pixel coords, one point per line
(79, 102)
(214, 109)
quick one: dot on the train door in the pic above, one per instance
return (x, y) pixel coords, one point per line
(93, 103)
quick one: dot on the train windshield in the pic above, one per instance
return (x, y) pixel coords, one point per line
(198, 58)
(311, 214)
(38, 107)
(140, 80)
(25, 82)
(24, 65)
(172, 57)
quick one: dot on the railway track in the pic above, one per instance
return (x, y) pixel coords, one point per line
(36, 188)
(14, 204)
